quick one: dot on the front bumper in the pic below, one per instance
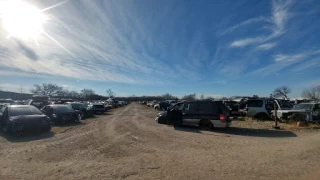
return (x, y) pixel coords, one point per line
(31, 128)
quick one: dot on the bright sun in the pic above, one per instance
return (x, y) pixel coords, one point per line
(21, 20)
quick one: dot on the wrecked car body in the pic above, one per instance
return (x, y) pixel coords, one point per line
(302, 112)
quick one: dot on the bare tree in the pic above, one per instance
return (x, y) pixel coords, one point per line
(312, 93)
(282, 91)
(87, 93)
(202, 96)
(189, 97)
(110, 93)
(73, 94)
(46, 89)
(168, 96)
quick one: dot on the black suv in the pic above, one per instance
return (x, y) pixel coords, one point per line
(205, 114)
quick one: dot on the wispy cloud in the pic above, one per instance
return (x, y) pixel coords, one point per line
(244, 23)
(266, 46)
(246, 41)
(282, 61)
(276, 24)
(106, 52)
(315, 63)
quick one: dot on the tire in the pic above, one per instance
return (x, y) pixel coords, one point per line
(156, 108)
(5, 127)
(162, 120)
(205, 125)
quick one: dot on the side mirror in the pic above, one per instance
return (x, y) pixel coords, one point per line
(168, 108)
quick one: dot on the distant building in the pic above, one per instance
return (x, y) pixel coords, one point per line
(14, 95)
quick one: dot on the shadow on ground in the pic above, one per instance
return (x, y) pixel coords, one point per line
(241, 131)
(185, 128)
(25, 137)
(101, 114)
(257, 132)
(68, 124)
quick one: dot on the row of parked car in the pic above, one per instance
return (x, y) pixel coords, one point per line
(40, 114)
(163, 105)
(209, 113)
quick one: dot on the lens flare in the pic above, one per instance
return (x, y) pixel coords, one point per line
(22, 20)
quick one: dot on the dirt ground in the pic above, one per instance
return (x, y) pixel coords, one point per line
(126, 143)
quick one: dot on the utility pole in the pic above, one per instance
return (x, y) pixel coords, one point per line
(21, 91)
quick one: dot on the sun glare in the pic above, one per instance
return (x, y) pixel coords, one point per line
(21, 19)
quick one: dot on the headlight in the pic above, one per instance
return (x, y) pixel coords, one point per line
(54, 115)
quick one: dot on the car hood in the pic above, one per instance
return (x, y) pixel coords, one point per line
(28, 119)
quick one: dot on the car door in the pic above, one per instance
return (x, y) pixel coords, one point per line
(316, 112)
(255, 107)
(174, 114)
(190, 113)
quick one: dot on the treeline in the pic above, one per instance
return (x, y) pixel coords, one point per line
(56, 91)
(53, 90)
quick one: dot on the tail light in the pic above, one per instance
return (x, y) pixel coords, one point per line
(222, 117)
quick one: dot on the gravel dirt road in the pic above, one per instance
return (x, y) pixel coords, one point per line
(127, 143)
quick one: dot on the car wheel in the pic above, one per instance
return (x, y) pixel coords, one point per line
(5, 126)
(205, 125)
(161, 120)
(156, 108)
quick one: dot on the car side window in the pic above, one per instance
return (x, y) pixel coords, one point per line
(46, 108)
(316, 107)
(206, 108)
(255, 103)
(191, 107)
(178, 107)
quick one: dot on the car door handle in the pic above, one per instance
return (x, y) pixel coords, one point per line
(183, 113)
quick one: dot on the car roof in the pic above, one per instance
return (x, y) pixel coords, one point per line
(58, 105)
(14, 106)
(74, 103)
(309, 103)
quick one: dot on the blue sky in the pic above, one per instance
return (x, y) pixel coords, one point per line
(151, 47)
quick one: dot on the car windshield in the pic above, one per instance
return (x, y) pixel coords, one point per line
(27, 110)
(77, 106)
(177, 107)
(285, 104)
(62, 109)
(303, 106)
